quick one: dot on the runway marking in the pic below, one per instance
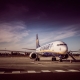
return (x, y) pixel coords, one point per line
(60, 71)
(72, 70)
(31, 71)
(15, 71)
(40, 71)
(2, 72)
(45, 71)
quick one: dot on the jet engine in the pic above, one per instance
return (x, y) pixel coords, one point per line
(32, 55)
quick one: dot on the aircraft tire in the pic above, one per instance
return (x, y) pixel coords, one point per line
(53, 59)
(37, 59)
(60, 60)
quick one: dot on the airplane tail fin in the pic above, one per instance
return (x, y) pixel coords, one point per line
(37, 41)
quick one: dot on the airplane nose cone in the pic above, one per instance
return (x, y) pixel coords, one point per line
(64, 49)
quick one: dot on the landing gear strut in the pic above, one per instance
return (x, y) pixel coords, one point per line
(37, 59)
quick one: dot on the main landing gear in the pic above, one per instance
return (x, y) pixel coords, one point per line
(53, 59)
(37, 59)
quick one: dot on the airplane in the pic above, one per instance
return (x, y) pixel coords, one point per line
(56, 48)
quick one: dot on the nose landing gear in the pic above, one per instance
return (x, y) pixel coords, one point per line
(60, 60)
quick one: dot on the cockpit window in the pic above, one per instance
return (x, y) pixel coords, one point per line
(60, 44)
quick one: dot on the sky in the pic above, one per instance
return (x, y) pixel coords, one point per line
(21, 20)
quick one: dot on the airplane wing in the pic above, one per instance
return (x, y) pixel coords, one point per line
(28, 49)
(13, 51)
(73, 51)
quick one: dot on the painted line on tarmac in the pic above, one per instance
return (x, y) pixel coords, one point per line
(72, 70)
(15, 71)
(45, 71)
(40, 71)
(2, 72)
(31, 71)
(60, 71)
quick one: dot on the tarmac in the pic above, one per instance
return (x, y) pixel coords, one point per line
(25, 66)
(10, 65)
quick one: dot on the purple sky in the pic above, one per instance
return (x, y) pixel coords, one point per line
(20, 21)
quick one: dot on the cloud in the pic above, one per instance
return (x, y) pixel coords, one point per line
(61, 33)
(65, 33)
(12, 32)
(17, 36)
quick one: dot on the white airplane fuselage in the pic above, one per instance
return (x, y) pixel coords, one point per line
(57, 47)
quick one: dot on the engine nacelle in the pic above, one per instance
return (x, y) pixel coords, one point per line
(32, 55)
